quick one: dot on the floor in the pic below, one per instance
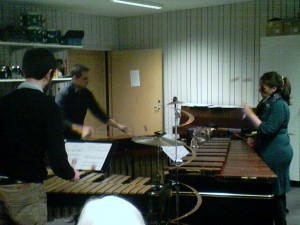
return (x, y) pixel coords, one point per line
(60, 222)
(293, 205)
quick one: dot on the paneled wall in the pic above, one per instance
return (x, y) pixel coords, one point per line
(211, 55)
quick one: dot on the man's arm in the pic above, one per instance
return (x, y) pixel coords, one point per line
(114, 124)
(60, 99)
(101, 115)
(58, 158)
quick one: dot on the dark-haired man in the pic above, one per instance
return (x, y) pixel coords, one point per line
(74, 100)
(31, 128)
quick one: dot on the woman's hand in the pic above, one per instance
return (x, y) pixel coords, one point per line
(250, 114)
(250, 142)
(247, 110)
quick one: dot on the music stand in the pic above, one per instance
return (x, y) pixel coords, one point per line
(79, 154)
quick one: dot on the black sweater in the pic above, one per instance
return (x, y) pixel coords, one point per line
(31, 128)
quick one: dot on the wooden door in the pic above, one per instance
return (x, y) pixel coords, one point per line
(95, 61)
(136, 90)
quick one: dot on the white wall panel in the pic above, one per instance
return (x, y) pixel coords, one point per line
(215, 79)
(203, 53)
(194, 57)
(226, 55)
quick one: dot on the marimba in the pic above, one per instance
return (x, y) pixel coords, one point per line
(236, 187)
(210, 158)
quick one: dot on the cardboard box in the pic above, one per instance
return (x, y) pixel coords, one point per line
(73, 37)
(292, 26)
(53, 36)
(73, 41)
(274, 27)
(36, 34)
(32, 19)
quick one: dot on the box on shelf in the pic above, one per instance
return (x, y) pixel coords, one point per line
(274, 27)
(11, 33)
(53, 36)
(36, 34)
(16, 72)
(292, 26)
(73, 37)
(5, 72)
(32, 19)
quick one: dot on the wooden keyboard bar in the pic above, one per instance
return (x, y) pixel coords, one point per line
(89, 185)
(210, 157)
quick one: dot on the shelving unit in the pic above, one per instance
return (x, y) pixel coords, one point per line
(13, 46)
(7, 84)
(21, 80)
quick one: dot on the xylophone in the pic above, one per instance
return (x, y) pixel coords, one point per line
(66, 198)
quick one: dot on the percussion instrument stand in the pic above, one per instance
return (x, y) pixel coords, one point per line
(127, 161)
(158, 175)
(177, 162)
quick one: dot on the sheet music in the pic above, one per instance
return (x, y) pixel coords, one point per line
(171, 151)
(87, 156)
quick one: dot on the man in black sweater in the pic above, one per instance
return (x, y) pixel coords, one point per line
(74, 100)
(31, 128)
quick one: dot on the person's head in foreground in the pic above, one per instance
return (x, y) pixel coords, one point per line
(110, 210)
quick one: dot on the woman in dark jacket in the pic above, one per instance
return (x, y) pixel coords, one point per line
(272, 142)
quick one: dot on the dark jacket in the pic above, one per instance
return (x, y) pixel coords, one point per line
(31, 127)
(74, 104)
(273, 142)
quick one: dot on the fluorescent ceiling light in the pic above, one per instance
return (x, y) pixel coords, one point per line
(141, 3)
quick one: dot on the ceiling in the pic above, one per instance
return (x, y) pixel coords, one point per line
(108, 8)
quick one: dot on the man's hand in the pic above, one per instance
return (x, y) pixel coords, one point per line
(87, 132)
(84, 131)
(114, 124)
(122, 128)
(77, 176)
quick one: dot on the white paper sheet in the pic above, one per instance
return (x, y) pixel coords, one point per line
(135, 78)
(87, 156)
(171, 152)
